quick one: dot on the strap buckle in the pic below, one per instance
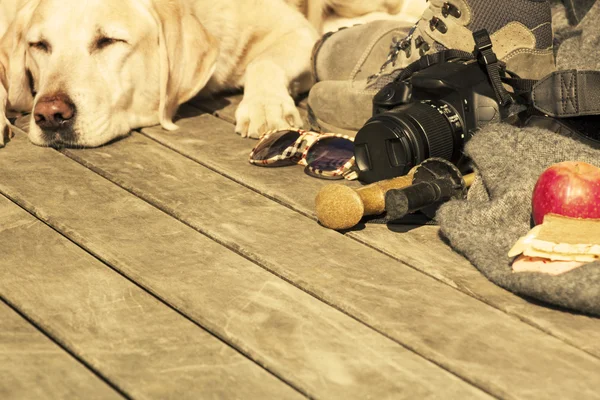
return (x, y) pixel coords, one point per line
(482, 40)
(483, 47)
(486, 56)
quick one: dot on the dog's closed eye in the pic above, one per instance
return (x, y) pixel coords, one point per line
(104, 42)
(41, 45)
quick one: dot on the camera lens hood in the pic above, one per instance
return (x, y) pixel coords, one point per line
(391, 143)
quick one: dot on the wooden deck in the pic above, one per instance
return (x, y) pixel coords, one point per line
(165, 266)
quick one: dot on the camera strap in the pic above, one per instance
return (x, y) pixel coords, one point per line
(486, 56)
(562, 94)
(430, 59)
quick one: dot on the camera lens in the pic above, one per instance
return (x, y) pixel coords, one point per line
(391, 143)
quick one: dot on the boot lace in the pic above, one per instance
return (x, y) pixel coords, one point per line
(405, 44)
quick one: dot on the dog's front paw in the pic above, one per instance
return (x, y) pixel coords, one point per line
(259, 114)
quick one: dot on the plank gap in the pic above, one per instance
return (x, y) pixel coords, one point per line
(78, 360)
(147, 290)
(257, 262)
(358, 236)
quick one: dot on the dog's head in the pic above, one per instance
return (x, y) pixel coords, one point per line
(90, 71)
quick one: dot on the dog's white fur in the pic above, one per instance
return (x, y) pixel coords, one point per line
(126, 64)
(317, 11)
(409, 12)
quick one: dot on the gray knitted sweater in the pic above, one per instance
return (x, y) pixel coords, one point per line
(508, 161)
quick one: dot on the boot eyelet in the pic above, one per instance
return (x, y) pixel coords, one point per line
(438, 24)
(450, 9)
(419, 41)
(433, 22)
(442, 27)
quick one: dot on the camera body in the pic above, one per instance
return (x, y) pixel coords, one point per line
(430, 114)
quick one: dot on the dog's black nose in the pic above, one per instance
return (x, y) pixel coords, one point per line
(54, 113)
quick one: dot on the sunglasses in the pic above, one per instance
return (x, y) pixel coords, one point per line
(325, 155)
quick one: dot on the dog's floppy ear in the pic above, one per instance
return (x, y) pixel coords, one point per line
(188, 54)
(13, 59)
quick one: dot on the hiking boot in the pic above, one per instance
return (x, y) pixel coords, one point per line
(338, 54)
(521, 32)
(355, 52)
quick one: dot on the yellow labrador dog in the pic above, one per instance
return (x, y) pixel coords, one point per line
(89, 71)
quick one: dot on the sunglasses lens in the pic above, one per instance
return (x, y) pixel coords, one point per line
(330, 154)
(274, 144)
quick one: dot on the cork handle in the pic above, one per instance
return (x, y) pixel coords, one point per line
(373, 195)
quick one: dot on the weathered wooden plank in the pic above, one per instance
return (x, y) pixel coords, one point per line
(320, 350)
(482, 345)
(224, 107)
(419, 247)
(230, 152)
(423, 249)
(141, 346)
(33, 367)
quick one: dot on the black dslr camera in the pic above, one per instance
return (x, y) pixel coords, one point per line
(430, 113)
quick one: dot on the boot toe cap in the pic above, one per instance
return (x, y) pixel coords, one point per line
(341, 106)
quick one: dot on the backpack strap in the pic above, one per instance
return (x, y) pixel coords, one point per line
(568, 93)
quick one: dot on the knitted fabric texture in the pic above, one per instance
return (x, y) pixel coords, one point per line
(508, 161)
(578, 45)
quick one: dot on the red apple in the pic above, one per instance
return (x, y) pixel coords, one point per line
(569, 188)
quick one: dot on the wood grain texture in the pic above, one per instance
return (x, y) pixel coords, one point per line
(308, 343)
(141, 346)
(475, 341)
(34, 367)
(418, 246)
(224, 107)
(423, 249)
